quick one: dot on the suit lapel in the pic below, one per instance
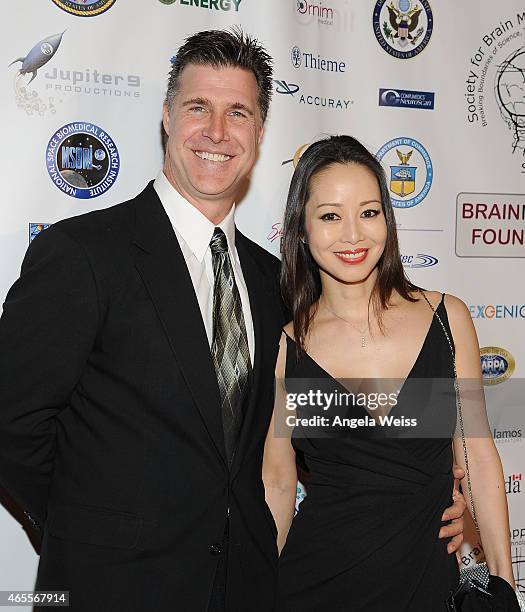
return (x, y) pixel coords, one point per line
(160, 263)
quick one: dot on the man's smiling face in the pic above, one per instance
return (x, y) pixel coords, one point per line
(214, 128)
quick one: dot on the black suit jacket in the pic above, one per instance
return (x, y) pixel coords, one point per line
(110, 426)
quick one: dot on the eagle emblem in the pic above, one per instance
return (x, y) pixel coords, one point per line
(403, 23)
(403, 177)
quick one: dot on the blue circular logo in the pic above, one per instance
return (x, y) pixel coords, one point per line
(497, 364)
(403, 27)
(410, 173)
(82, 160)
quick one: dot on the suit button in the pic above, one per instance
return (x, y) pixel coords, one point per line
(215, 549)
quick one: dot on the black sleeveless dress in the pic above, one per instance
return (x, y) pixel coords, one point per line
(366, 536)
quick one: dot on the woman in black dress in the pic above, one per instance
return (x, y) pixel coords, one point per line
(366, 536)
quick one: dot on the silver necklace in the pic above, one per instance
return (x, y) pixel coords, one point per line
(361, 332)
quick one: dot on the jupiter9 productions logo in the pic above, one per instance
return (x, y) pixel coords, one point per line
(82, 160)
(84, 8)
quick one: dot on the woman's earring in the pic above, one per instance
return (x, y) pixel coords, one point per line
(303, 240)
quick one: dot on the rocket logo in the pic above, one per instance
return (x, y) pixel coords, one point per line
(38, 56)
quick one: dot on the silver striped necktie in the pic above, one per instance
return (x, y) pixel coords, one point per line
(230, 352)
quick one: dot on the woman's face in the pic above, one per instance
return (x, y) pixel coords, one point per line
(344, 222)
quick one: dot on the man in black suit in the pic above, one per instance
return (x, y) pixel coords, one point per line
(137, 357)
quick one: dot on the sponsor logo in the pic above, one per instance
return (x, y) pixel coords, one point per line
(418, 261)
(497, 311)
(497, 67)
(409, 182)
(403, 27)
(517, 536)
(35, 229)
(305, 59)
(320, 11)
(405, 98)
(91, 81)
(308, 99)
(36, 58)
(490, 225)
(518, 562)
(283, 87)
(82, 160)
(61, 81)
(297, 155)
(497, 364)
(506, 435)
(513, 484)
(510, 93)
(218, 5)
(476, 555)
(84, 8)
(276, 232)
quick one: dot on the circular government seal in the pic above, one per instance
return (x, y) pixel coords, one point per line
(403, 27)
(410, 171)
(82, 160)
(84, 8)
(497, 364)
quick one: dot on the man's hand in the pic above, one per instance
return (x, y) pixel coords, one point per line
(454, 514)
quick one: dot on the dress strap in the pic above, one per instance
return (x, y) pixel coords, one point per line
(428, 301)
(286, 334)
(443, 319)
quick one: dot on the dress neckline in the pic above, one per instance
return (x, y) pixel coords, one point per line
(411, 371)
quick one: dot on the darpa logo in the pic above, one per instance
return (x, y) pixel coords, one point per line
(418, 261)
(497, 365)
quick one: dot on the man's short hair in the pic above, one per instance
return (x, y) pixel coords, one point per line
(221, 49)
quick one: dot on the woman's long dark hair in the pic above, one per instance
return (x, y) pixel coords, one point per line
(300, 278)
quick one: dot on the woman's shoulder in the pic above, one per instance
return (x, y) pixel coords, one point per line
(457, 310)
(456, 307)
(458, 313)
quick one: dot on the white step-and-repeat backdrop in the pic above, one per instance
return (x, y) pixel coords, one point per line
(436, 88)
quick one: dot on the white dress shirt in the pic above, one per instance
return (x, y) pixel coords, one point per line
(194, 233)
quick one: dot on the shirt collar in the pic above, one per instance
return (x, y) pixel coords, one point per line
(194, 228)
